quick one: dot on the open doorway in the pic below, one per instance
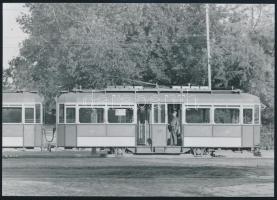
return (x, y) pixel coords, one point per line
(174, 133)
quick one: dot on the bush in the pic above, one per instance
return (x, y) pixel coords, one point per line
(267, 137)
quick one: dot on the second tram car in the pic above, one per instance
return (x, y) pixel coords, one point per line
(139, 117)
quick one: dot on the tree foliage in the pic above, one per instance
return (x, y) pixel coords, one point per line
(95, 45)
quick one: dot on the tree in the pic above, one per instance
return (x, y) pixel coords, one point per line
(95, 45)
(242, 53)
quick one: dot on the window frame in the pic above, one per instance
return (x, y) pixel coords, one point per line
(210, 107)
(34, 115)
(15, 105)
(153, 115)
(23, 106)
(41, 113)
(228, 107)
(260, 112)
(65, 112)
(92, 107)
(58, 113)
(121, 106)
(242, 118)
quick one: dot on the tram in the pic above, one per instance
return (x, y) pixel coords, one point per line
(138, 117)
(21, 119)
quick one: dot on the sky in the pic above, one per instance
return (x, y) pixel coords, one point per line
(12, 34)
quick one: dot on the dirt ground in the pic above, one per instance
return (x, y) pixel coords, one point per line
(137, 175)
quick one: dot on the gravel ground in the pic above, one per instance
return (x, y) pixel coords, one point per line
(235, 174)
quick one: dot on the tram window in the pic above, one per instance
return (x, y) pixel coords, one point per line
(247, 116)
(159, 113)
(29, 115)
(120, 115)
(61, 113)
(226, 115)
(70, 115)
(256, 114)
(11, 115)
(91, 115)
(200, 115)
(37, 113)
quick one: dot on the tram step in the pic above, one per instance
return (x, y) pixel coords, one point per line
(159, 150)
(173, 150)
(143, 150)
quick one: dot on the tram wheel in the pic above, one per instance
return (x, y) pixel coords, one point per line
(257, 152)
(197, 151)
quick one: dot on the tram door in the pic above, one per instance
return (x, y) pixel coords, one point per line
(159, 125)
(144, 117)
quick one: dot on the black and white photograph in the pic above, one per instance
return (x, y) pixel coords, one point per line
(138, 99)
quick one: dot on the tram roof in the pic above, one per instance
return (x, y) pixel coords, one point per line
(154, 97)
(21, 97)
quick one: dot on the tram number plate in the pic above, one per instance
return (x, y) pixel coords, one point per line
(120, 112)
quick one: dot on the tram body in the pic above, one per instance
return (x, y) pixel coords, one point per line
(139, 118)
(21, 119)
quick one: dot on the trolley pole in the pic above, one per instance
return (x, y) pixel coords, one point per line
(208, 47)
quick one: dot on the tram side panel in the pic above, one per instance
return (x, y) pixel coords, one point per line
(197, 130)
(89, 134)
(38, 135)
(94, 135)
(61, 135)
(106, 135)
(243, 131)
(84, 125)
(121, 134)
(70, 135)
(245, 136)
(21, 135)
(212, 136)
(12, 135)
(29, 135)
(257, 135)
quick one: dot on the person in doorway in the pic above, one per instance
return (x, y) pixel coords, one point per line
(174, 128)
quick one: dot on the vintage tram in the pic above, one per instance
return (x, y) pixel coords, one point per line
(137, 117)
(21, 119)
